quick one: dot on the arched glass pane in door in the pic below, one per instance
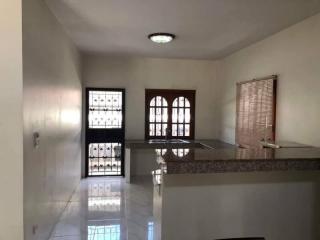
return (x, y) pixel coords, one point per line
(181, 117)
(158, 116)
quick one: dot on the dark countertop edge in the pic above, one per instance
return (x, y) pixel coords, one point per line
(222, 166)
(230, 160)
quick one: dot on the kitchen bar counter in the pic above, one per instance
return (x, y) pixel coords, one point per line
(140, 155)
(206, 143)
(213, 156)
(240, 160)
(229, 191)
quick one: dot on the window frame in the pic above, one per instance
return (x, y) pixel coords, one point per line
(170, 95)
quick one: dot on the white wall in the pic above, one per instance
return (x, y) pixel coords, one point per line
(52, 107)
(293, 54)
(11, 170)
(137, 74)
(274, 205)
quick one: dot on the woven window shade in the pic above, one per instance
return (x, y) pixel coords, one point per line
(256, 107)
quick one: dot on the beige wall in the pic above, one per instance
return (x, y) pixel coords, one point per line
(11, 170)
(52, 107)
(293, 54)
(137, 74)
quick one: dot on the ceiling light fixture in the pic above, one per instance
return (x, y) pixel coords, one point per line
(161, 37)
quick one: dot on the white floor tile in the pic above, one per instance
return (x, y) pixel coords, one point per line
(108, 209)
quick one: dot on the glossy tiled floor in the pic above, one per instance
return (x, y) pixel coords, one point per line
(108, 209)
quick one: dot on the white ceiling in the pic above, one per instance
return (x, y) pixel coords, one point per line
(205, 29)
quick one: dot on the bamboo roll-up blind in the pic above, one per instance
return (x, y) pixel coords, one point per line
(256, 111)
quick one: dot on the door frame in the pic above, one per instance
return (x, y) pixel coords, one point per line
(274, 79)
(87, 90)
(170, 95)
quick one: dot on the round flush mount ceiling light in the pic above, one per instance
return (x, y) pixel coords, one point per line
(161, 37)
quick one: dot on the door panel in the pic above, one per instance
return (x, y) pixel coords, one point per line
(105, 159)
(256, 112)
(105, 132)
(170, 113)
(105, 109)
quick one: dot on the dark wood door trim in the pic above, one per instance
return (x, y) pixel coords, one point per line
(170, 95)
(104, 135)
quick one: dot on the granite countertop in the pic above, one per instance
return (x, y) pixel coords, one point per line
(240, 160)
(206, 143)
(214, 156)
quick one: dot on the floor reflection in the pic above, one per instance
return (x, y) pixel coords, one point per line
(105, 197)
(150, 230)
(104, 232)
(108, 209)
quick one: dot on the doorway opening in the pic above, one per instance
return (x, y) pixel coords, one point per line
(105, 131)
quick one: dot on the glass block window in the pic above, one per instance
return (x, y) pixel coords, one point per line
(181, 117)
(158, 116)
(105, 109)
(104, 159)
